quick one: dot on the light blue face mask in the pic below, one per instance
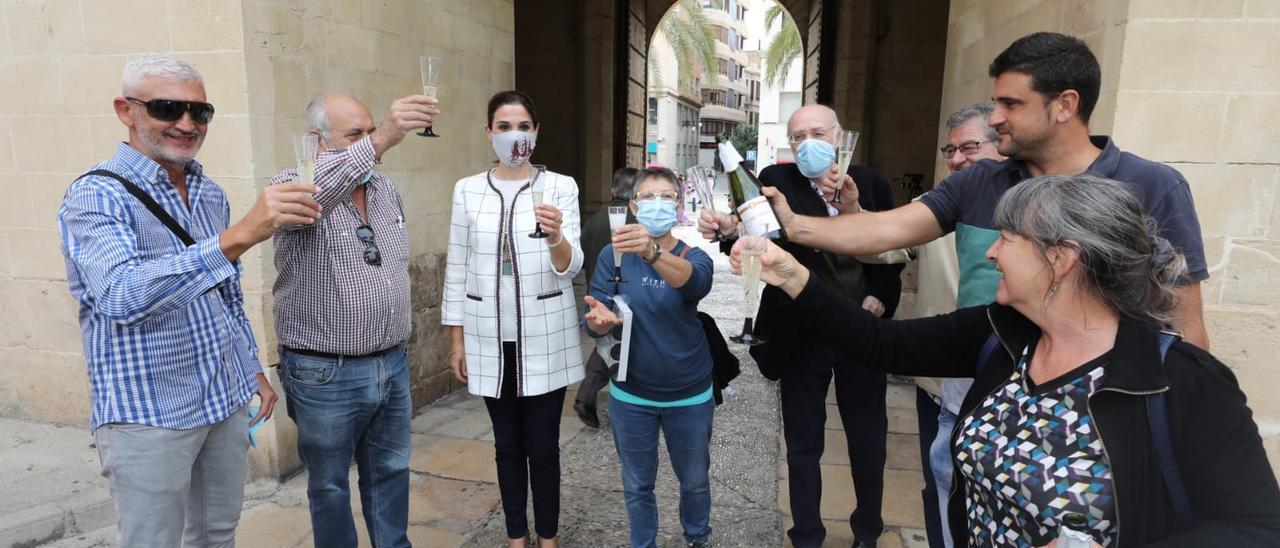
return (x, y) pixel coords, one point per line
(656, 215)
(815, 156)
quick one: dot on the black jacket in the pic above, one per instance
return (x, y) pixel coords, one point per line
(879, 281)
(1232, 489)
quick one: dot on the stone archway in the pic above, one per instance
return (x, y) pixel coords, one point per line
(878, 63)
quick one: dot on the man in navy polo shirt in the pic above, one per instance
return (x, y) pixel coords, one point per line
(1046, 85)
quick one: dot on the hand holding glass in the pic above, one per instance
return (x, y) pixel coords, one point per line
(537, 191)
(848, 141)
(617, 219)
(751, 248)
(430, 79)
(703, 180)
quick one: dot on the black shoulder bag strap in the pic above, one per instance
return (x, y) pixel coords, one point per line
(146, 199)
(1158, 417)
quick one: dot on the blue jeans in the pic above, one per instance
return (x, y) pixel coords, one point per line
(940, 462)
(361, 408)
(688, 434)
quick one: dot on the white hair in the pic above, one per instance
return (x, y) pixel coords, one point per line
(160, 65)
(317, 118)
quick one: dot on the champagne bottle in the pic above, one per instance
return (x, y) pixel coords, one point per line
(753, 208)
(1074, 532)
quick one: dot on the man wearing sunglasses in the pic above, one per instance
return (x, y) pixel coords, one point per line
(171, 358)
(342, 312)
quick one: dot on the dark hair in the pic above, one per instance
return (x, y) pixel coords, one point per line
(624, 183)
(1124, 260)
(1056, 63)
(659, 172)
(512, 97)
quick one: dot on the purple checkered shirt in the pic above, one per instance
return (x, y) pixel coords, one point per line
(327, 299)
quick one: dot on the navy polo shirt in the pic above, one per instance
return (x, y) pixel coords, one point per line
(966, 201)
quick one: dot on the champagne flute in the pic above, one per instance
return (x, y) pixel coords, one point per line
(430, 78)
(703, 179)
(848, 141)
(305, 146)
(752, 247)
(617, 219)
(537, 191)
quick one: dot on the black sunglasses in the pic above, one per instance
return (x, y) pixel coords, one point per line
(169, 110)
(371, 254)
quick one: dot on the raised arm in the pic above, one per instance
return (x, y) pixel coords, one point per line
(864, 233)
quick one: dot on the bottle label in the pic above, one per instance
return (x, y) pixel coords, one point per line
(757, 217)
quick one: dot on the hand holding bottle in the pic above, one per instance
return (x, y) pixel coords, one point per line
(710, 220)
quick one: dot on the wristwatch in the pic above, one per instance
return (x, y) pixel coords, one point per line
(653, 257)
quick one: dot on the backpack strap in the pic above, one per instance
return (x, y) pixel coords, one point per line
(150, 203)
(984, 355)
(1158, 417)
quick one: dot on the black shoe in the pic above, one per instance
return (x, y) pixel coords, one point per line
(704, 543)
(586, 414)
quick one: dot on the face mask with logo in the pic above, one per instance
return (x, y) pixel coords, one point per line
(815, 156)
(657, 216)
(514, 147)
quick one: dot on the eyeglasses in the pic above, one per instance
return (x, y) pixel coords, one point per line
(817, 133)
(966, 148)
(371, 254)
(169, 110)
(666, 196)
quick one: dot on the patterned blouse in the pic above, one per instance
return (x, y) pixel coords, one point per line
(1030, 455)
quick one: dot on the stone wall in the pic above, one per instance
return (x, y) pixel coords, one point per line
(262, 61)
(61, 61)
(1199, 89)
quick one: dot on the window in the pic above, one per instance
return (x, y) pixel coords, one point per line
(653, 110)
(724, 66)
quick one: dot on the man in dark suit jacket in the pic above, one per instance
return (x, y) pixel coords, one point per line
(804, 364)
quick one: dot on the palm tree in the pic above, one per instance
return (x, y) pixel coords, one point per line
(689, 33)
(783, 49)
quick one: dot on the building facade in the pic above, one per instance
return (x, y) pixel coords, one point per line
(727, 100)
(673, 105)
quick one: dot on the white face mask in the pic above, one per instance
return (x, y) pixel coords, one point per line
(514, 147)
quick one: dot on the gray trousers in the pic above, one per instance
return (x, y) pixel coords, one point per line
(176, 487)
(597, 377)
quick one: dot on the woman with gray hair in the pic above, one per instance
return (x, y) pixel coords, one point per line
(1080, 399)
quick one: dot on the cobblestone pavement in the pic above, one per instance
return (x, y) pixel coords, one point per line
(455, 501)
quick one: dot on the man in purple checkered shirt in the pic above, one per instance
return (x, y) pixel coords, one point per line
(171, 358)
(342, 314)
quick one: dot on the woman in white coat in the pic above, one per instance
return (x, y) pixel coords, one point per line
(508, 299)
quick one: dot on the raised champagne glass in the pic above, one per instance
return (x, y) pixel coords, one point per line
(305, 146)
(430, 79)
(752, 247)
(617, 219)
(703, 181)
(848, 141)
(538, 191)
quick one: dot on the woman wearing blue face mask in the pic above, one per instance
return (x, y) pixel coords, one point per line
(668, 383)
(509, 302)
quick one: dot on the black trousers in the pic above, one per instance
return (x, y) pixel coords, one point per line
(526, 441)
(927, 420)
(860, 398)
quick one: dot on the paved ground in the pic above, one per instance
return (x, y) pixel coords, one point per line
(454, 496)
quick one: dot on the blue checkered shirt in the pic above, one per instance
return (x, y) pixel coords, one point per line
(165, 334)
